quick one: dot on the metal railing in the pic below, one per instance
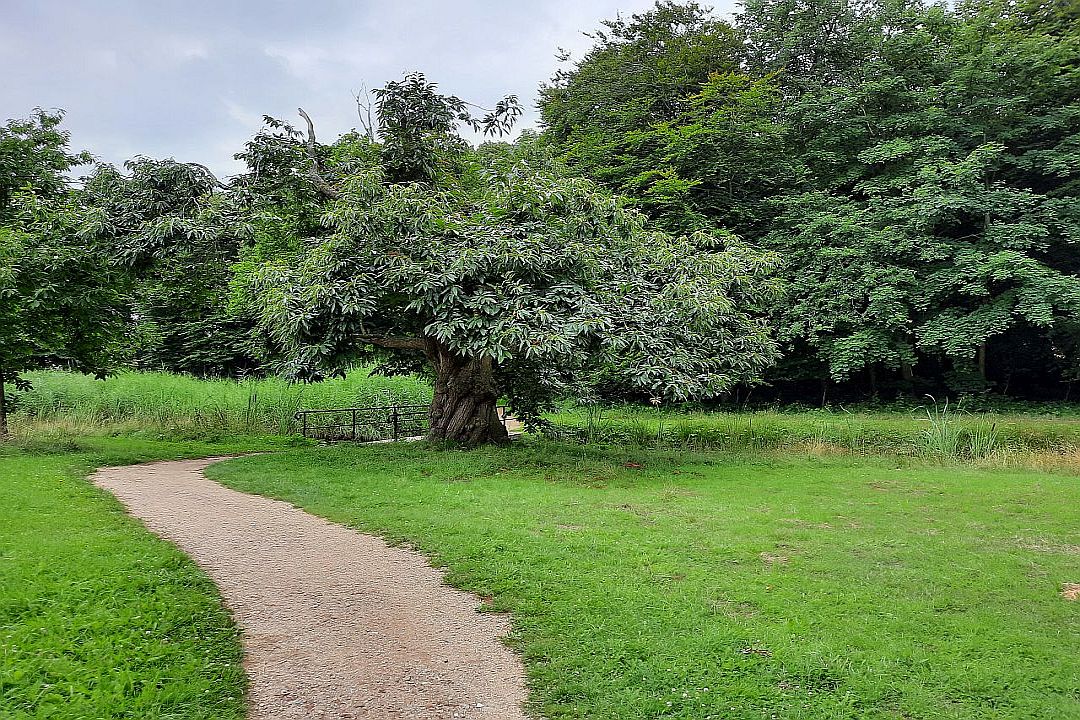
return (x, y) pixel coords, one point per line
(368, 424)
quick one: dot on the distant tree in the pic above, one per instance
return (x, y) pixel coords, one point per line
(177, 231)
(720, 162)
(937, 214)
(914, 165)
(35, 157)
(602, 109)
(503, 276)
(61, 300)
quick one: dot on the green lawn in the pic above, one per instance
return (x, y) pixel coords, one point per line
(736, 586)
(99, 619)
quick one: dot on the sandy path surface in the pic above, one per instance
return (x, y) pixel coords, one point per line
(336, 624)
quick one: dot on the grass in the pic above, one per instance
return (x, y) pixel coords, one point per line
(933, 430)
(794, 565)
(648, 584)
(98, 618)
(69, 405)
(186, 406)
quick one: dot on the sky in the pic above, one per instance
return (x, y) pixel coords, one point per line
(191, 79)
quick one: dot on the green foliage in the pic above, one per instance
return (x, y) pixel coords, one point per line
(933, 240)
(61, 300)
(614, 113)
(719, 161)
(505, 259)
(58, 299)
(417, 127)
(645, 584)
(34, 158)
(915, 166)
(98, 618)
(179, 236)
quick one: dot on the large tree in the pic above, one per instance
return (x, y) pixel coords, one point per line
(503, 276)
(61, 297)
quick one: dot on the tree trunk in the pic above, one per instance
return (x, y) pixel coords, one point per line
(463, 407)
(982, 360)
(3, 408)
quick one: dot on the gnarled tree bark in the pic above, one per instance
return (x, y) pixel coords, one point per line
(463, 408)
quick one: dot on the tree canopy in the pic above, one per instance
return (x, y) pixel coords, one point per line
(507, 278)
(814, 197)
(61, 297)
(914, 165)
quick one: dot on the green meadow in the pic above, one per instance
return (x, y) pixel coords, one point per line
(656, 563)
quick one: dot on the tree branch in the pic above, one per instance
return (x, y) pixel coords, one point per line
(362, 109)
(398, 343)
(210, 174)
(320, 182)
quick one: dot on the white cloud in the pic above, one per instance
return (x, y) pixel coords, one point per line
(303, 63)
(192, 79)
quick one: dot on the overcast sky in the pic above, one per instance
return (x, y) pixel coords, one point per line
(191, 79)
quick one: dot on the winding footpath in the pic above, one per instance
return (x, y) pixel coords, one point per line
(335, 623)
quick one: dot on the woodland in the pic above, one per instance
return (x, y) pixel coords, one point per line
(808, 202)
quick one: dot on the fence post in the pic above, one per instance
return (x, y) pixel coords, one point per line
(354, 424)
(305, 424)
(394, 419)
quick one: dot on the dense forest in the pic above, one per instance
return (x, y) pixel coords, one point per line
(815, 201)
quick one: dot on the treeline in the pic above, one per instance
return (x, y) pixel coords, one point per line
(916, 167)
(909, 172)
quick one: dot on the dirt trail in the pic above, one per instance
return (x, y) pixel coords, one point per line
(336, 624)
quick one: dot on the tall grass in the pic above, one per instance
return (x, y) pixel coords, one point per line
(940, 431)
(183, 406)
(947, 436)
(176, 402)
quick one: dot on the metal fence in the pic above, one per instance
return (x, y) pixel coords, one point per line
(368, 424)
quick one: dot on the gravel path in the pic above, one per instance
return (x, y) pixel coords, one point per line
(336, 624)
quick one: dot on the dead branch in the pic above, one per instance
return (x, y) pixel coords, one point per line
(312, 152)
(363, 110)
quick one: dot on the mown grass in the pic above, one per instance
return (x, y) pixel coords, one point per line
(98, 618)
(648, 584)
(186, 406)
